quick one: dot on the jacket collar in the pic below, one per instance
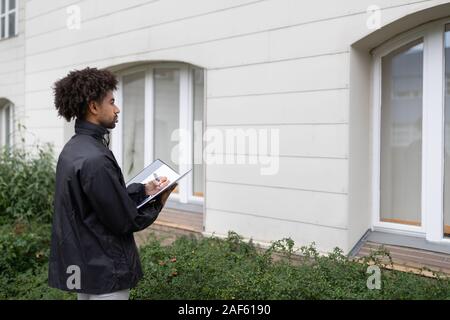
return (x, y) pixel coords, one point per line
(91, 129)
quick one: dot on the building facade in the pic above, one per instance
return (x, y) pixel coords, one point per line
(348, 102)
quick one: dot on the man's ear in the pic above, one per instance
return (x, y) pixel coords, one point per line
(93, 108)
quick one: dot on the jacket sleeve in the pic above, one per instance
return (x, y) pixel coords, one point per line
(115, 205)
(136, 191)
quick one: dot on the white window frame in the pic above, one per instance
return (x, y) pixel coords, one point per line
(7, 135)
(6, 15)
(185, 193)
(432, 189)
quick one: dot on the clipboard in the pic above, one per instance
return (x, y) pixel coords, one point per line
(161, 169)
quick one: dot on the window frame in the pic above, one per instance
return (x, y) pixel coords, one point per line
(6, 15)
(7, 135)
(432, 188)
(185, 194)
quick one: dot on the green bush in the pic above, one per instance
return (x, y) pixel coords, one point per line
(27, 181)
(212, 268)
(24, 246)
(25, 251)
(31, 285)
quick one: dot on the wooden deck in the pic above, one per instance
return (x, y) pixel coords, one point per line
(172, 224)
(181, 219)
(411, 259)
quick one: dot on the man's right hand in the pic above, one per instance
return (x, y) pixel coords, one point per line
(153, 187)
(165, 195)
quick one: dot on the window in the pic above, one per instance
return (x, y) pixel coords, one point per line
(447, 135)
(166, 110)
(401, 135)
(9, 15)
(411, 138)
(162, 118)
(198, 185)
(6, 124)
(133, 90)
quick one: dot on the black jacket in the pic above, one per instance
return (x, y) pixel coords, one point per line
(95, 216)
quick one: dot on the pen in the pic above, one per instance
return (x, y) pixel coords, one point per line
(156, 176)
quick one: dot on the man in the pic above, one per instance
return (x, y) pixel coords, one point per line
(93, 251)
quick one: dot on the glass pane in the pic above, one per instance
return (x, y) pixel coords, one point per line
(447, 136)
(2, 27)
(133, 92)
(3, 6)
(12, 4)
(167, 114)
(401, 135)
(7, 126)
(198, 178)
(12, 24)
(2, 130)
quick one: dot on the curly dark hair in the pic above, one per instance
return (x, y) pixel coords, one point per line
(74, 92)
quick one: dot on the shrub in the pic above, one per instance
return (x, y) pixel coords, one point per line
(27, 181)
(212, 268)
(24, 246)
(24, 261)
(31, 285)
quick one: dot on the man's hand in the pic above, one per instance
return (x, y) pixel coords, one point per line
(165, 195)
(153, 187)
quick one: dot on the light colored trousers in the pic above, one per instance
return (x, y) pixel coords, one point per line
(118, 295)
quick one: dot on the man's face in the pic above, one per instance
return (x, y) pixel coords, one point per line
(108, 112)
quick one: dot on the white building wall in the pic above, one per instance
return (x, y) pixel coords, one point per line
(269, 64)
(12, 69)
